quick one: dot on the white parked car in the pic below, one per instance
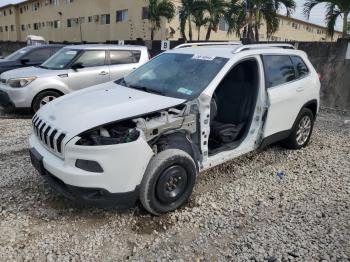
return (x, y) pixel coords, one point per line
(146, 136)
(70, 69)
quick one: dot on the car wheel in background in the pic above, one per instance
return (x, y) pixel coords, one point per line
(168, 181)
(44, 98)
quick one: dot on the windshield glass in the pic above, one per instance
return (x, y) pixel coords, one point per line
(61, 59)
(18, 54)
(177, 75)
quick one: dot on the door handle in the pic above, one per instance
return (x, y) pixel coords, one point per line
(103, 73)
(300, 89)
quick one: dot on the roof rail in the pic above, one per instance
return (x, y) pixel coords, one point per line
(208, 44)
(262, 46)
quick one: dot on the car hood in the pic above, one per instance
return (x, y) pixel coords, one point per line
(30, 71)
(82, 110)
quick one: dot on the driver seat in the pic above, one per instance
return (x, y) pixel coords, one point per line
(230, 107)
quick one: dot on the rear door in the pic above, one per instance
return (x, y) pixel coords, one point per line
(284, 94)
(123, 62)
(95, 70)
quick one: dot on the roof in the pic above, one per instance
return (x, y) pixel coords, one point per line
(105, 47)
(304, 22)
(230, 51)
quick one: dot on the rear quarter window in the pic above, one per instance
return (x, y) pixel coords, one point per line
(279, 70)
(300, 66)
(119, 57)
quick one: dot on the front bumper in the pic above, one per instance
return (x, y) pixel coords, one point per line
(5, 100)
(123, 168)
(15, 97)
(96, 197)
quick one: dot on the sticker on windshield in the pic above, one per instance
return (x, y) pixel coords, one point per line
(203, 57)
(71, 52)
(185, 91)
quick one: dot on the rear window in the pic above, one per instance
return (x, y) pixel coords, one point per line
(279, 69)
(300, 66)
(119, 57)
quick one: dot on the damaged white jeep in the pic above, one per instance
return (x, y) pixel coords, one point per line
(146, 136)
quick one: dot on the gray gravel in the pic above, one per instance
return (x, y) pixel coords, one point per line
(239, 211)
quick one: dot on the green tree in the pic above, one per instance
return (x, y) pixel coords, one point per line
(159, 9)
(250, 13)
(334, 10)
(188, 9)
(199, 18)
(215, 10)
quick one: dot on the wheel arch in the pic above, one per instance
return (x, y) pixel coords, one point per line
(312, 105)
(45, 90)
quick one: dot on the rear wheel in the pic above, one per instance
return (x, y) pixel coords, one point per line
(168, 181)
(44, 98)
(302, 130)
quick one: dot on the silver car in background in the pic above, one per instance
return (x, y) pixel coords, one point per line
(70, 69)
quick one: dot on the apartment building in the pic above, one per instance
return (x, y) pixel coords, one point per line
(103, 20)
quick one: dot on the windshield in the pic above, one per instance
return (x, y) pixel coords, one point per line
(61, 59)
(176, 75)
(18, 54)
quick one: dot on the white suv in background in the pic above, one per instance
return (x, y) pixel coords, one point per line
(147, 135)
(70, 69)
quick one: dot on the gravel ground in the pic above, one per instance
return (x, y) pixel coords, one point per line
(239, 211)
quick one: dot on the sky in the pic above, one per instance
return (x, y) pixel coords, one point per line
(317, 15)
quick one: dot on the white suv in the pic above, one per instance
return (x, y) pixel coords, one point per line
(146, 136)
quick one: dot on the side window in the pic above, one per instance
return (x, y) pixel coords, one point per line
(279, 69)
(300, 66)
(92, 58)
(119, 57)
(40, 54)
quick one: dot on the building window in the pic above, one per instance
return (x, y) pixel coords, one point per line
(35, 6)
(56, 24)
(10, 11)
(1, 30)
(105, 19)
(21, 10)
(223, 25)
(12, 28)
(69, 1)
(122, 15)
(145, 12)
(4, 12)
(72, 22)
(36, 26)
(55, 2)
(90, 19)
(6, 28)
(23, 28)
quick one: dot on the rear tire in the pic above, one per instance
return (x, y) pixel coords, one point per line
(302, 130)
(44, 98)
(168, 181)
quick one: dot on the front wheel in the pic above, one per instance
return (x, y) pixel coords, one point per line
(44, 98)
(302, 130)
(168, 181)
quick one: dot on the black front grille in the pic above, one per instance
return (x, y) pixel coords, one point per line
(51, 137)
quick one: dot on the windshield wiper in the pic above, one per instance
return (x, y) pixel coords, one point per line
(40, 66)
(146, 89)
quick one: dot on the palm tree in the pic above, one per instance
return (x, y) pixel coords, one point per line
(249, 14)
(334, 10)
(199, 19)
(188, 9)
(216, 10)
(159, 9)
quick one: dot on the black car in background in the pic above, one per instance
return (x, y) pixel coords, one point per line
(28, 56)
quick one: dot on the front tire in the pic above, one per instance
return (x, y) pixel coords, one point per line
(44, 98)
(302, 130)
(168, 181)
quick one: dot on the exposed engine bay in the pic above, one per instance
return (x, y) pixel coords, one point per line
(151, 126)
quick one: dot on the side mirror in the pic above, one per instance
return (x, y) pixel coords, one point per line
(77, 66)
(24, 61)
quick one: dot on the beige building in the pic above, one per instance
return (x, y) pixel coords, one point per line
(104, 20)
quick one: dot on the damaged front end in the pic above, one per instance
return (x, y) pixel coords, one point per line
(158, 129)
